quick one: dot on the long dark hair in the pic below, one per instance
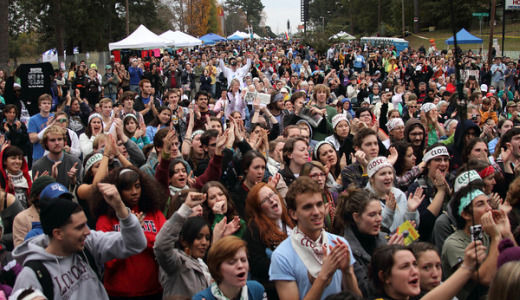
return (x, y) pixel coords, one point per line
(402, 148)
(156, 122)
(208, 212)
(152, 198)
(190, 230)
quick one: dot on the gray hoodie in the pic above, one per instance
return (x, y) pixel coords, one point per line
(72, 276)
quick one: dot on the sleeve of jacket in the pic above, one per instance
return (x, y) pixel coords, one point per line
(74, 144)
(136, 155)
(161, 173)
(212, 172)
(164, 247)
(106, 246)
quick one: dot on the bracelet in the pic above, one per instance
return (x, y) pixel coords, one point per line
(188, 140)
(106, 155)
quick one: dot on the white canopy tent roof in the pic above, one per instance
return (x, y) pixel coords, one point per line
(181, 39)
(256, 36)
(342, 36)
(142, 38)
(240, 34)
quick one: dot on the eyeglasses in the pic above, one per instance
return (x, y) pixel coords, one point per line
(61, 120)
(268, 198)
(317, 175)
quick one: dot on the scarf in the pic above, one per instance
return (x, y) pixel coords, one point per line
(217, 293)
(310, 252)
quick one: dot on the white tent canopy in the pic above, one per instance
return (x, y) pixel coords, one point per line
(240, 34)
(142, 38)
(342, 36)
(256, 36)
(181, 39)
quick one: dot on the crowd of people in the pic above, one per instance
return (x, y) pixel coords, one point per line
(369, 174)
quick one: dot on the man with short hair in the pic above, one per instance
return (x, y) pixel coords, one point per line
(69, 255)
(366, 146)
(311, 263)
(202, 112)
(66, 168)
(38, 122)
(234, 72)
(472, 207)
(146, 103)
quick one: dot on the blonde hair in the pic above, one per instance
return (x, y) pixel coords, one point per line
(506, 284)
(54, 130)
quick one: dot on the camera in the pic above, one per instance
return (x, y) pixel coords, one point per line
(476, 233)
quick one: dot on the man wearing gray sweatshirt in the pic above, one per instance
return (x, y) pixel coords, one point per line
(67, 239)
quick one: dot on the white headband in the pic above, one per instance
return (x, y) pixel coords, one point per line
(34, 294)
(437, 151)
(94, 115)
(92, 160)
(377, 164)
(465, 179)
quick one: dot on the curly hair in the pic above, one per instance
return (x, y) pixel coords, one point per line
(152, 196)
(270, 233)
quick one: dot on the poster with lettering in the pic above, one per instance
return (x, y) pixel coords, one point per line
(36, 80)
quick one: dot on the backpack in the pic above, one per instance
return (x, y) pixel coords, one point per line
(44, 277)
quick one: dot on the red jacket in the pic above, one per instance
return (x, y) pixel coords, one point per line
(4, 180)
(137, 275)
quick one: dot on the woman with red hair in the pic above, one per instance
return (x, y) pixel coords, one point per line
(269, 224)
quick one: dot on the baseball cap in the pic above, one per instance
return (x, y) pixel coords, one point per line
(55, 190)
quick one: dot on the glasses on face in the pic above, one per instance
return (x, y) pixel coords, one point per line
(268, 198)
(61, 120)
(317, 175)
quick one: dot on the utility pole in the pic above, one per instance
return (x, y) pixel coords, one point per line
(415, 16)
(402, 17)
(491, 27)
(379, 16)
(127, 18)
(503, 25)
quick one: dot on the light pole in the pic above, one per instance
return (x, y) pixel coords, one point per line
(322, 23)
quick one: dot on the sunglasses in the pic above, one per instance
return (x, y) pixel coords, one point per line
(61, 120)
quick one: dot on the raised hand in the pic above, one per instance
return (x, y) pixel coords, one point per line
(54, 169)
(392, 158)
(273, 181)
(193, 199)
(191, 179)
(112, 197)
(415, 199)
(390, 201)
(475, 253)
(72, 172)
(361, 157)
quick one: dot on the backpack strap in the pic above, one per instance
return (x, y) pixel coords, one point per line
(91, 261)
(43, 277)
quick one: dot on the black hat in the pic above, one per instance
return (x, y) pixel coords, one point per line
(56, 212)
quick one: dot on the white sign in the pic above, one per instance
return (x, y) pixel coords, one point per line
(513, 4)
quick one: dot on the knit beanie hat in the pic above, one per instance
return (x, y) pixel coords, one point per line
(338, 118)
(377, 164)
(55, 213)
(508, 252)
(39, 184)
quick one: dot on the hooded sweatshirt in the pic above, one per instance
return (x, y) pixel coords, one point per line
(4, 179)
(458, 144)
(409, 126)
(72, 276)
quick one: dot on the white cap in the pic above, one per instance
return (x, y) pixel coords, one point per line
(483, 87)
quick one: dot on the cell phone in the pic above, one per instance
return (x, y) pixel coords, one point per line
(476, 233)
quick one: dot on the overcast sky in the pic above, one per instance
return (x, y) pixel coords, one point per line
(278, 11)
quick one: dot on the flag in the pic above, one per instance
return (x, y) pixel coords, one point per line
(287, 36)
